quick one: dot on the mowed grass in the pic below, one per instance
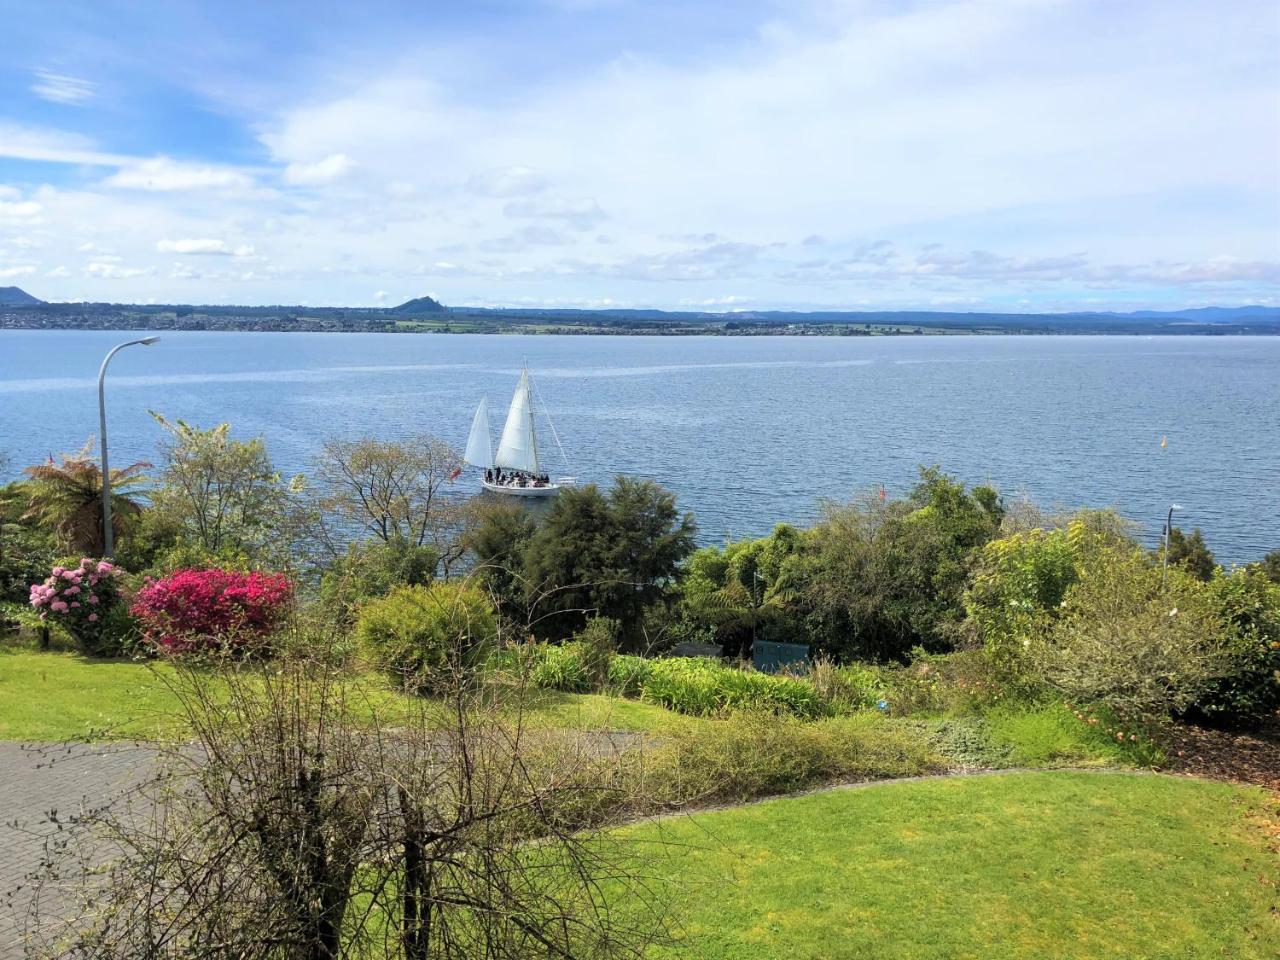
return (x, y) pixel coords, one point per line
(1030, 865)
(52, 696)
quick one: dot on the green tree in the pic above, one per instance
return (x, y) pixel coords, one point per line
(881, 577)
(1269, 566)
(496, 545)
(66, 496)
(1191, 553)
(741, 591)
(611, 555)
(222, 494)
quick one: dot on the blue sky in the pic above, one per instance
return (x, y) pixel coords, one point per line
(971, 154)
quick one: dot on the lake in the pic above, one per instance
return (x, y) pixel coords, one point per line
(747, 431)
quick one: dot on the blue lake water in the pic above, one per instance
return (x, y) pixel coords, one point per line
(747, 431)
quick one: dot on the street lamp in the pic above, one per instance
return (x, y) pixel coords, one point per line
(107, 538)
(1168, 525)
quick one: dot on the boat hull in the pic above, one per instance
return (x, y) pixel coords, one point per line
(549, 490)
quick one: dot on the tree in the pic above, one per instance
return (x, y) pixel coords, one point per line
(743, 592)
(222, 494)
(496, 544)
(395, 490)
(1190, 553)
(881, 577)
(1270, 566)
(613, 555)
(66, 496)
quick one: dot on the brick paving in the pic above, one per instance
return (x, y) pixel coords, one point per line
(36, 779)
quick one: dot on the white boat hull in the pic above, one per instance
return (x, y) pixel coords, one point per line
(549, 490)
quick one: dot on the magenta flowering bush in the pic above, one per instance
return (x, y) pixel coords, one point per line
(205, 610)
(80, 599)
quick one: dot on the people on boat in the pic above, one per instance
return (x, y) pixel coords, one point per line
(516, 478)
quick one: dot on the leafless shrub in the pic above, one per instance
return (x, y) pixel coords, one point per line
(311, 817)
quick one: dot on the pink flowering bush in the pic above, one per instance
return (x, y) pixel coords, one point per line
(80, 599)
(206, 610)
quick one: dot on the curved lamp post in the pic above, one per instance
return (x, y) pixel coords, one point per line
(1168, 526)
(107, 536)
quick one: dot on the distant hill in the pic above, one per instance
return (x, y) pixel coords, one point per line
(419, 306)
(1211, 314)
(17, 297)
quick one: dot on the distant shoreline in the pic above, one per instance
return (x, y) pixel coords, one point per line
(752, 330)
(426, 315)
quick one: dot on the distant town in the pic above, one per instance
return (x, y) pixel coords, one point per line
(20, 310)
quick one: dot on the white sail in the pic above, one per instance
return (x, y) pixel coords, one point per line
(480, 443)
(518, 448)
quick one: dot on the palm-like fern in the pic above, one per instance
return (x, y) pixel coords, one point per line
(66, 496)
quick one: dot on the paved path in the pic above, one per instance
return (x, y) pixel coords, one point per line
(38, 778)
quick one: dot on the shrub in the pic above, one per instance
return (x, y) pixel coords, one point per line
(851, 687)
(1134, 640)
(1249, 605)
(704, 687)
(374, 569)
(211, 610)
(560, 667)
(414, 633)
(628, 673)
(598, 643)
(752, 754)
(81, 599)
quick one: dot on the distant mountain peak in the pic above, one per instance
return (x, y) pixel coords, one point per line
(17, 297)
(421, 305)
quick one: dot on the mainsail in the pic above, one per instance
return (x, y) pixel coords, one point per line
(518, 448)
(480, 443)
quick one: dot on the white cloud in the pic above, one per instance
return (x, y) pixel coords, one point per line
(516, 181)
(988, 148)
(61, 88)
(59, 272)
(19, 209)
(23, 271)
(331, 168)
(164, 174)
(54, 146)
(582, 214)
(204, 246)
(380, 295)
(113, 271)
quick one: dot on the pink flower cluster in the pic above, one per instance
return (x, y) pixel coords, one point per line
(211, 609)
(75, 596)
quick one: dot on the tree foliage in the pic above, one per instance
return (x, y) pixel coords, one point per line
(222, 494)
(411, 633)
(881, 577)
(1191, 553)
(394, 490)
(66, 496)
(612, 555)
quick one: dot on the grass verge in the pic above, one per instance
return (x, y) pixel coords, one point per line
(1028, 865)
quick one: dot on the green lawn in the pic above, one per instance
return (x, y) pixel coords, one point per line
(60, 696)
(1039, 865)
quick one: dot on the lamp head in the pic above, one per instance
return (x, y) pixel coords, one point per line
(1175, 506)
(148, 341)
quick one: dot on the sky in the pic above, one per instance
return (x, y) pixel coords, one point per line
(1006, 155)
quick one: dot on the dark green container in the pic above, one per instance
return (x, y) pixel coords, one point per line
(775, 657)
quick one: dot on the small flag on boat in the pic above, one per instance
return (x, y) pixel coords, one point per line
(1164, 441)
(882, 493)
(457, 472)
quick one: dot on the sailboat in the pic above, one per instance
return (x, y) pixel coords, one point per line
(515, 470)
